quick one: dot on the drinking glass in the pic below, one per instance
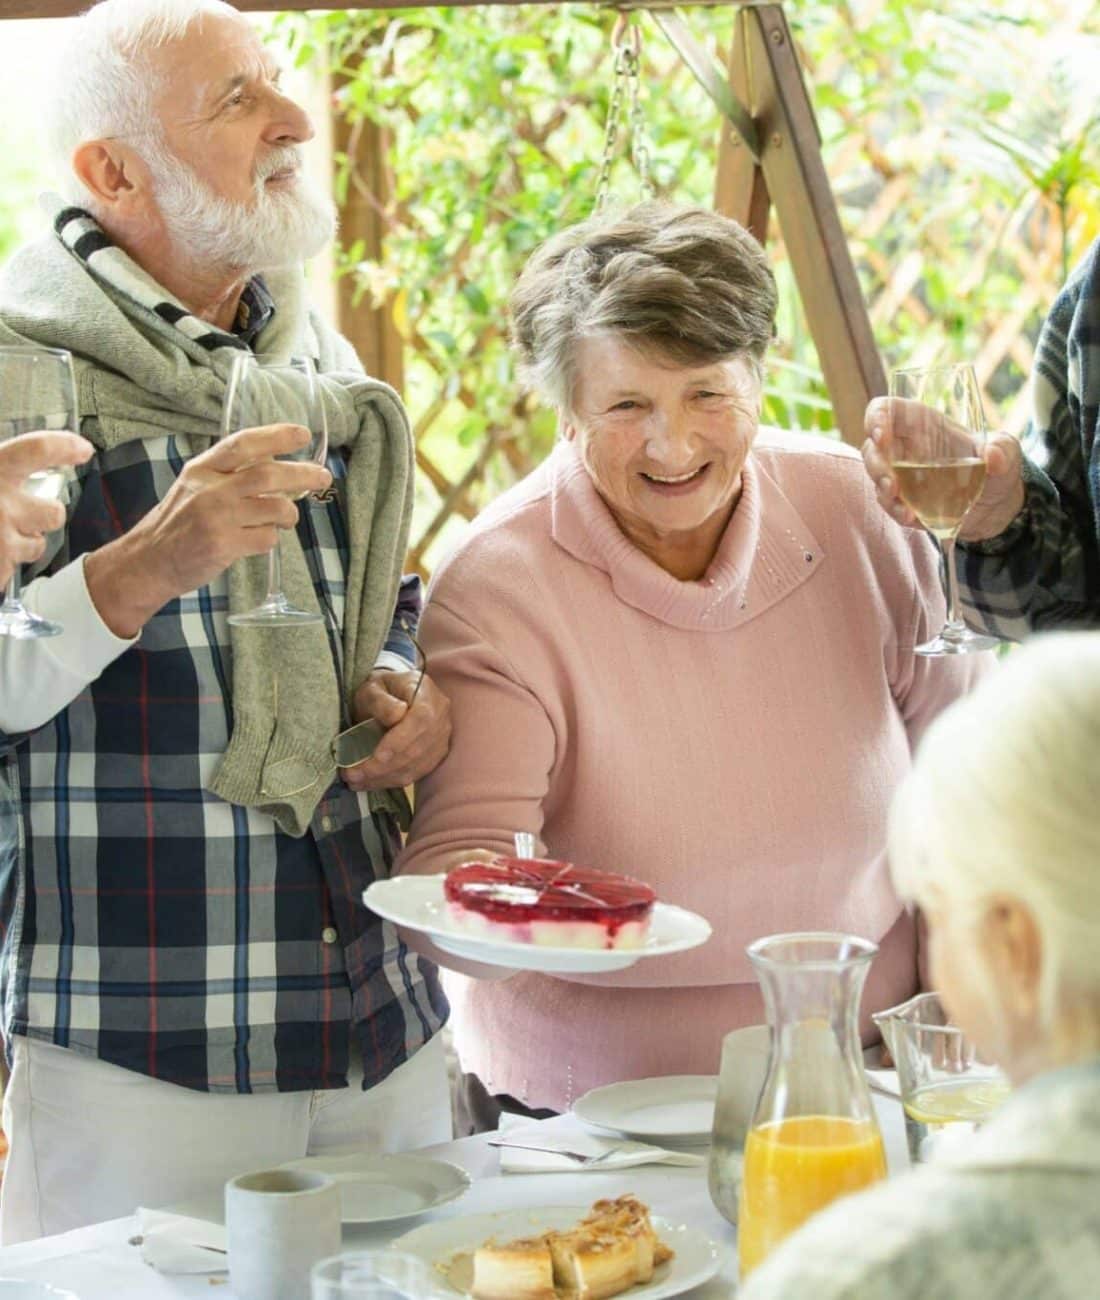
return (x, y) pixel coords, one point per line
(37, 392)
(937, 440)
(265, 390)
(947, 1090)
(373, 1275)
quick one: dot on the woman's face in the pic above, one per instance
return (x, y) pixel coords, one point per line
(664, 445)
(987, 971)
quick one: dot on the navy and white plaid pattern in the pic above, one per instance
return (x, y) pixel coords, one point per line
(150, 924)
(1044, 570)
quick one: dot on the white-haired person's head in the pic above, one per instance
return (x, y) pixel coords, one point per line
(135, 98)
(995, 834)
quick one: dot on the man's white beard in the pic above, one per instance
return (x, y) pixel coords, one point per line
(280, 228)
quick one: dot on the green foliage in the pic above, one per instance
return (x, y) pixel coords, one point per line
(496, 118)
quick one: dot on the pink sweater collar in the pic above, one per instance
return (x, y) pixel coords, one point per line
(766, 551)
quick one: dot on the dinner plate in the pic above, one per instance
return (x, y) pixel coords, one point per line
(676, 1108)
(374, 1189)
(697, 1258)
(417, 903)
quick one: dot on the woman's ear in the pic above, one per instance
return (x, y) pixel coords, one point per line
(1013, 949)
(566, 428)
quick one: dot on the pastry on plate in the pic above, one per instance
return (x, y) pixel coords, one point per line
(611, 1249)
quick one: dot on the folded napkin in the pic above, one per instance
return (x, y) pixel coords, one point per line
(625, 1155)
(174, 1243)
(884, 1081)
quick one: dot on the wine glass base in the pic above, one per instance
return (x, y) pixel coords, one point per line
(950, 642)
(25, 626)
(275, 615)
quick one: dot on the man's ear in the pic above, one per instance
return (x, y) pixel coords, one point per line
(110, 172)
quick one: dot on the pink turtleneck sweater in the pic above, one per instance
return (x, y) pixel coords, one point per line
(733, 741)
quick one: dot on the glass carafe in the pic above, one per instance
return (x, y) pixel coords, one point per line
(813, 1135)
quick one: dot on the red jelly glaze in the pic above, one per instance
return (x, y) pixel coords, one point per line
(559, 891)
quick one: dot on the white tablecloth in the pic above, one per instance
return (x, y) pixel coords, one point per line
(99, 1263)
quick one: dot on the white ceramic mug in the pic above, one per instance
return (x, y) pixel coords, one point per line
(279, 1223)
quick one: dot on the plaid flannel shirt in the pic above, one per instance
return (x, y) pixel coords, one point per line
(1044, 569)
(152, 925)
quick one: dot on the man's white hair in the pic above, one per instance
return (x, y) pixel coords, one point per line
(102, 83)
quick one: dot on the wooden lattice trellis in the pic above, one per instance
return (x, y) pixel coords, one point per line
(768, 139)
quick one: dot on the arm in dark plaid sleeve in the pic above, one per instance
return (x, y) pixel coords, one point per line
(1044, 570)
(406, 619)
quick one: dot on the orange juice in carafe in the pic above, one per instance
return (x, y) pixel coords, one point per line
(795, 1167)
(813, 1135)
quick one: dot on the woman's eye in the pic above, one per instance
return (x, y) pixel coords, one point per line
(627, 404)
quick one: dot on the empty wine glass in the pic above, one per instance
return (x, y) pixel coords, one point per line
(936, 452)
(373, 1275)
(266, 390)
(37, 392)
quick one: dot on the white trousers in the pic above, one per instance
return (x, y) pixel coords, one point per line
(90, 1141)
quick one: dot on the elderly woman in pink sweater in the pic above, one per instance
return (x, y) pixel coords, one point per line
(681, 649)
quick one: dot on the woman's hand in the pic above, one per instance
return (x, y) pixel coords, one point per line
(24, 519)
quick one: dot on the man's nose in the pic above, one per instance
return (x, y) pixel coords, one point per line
(290, 123)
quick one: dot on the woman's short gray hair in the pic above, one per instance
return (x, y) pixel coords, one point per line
(100, 85)
(686, 283)
(1002, 800)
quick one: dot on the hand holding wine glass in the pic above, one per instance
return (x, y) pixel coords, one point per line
(37, 397)
(32, 469)
(261, 390)
(936, 449)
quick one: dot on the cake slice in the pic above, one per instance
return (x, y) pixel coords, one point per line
(516, 1270)
(544, 902)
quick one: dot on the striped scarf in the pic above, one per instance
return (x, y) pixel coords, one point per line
(146, 367)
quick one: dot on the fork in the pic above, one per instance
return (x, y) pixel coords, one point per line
(581, 1157)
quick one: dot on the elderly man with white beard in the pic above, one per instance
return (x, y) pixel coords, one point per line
(191, 985)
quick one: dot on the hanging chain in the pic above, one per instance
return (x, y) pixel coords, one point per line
(627, 44)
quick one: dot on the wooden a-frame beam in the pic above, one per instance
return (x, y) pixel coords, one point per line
(67, 8)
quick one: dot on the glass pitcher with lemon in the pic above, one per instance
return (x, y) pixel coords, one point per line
(813, 1135)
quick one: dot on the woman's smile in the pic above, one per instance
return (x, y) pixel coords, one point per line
(675, 484)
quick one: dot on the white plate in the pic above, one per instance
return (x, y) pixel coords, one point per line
(697, 1257)
(676, 1108)
(374, 1189)
(417, 903)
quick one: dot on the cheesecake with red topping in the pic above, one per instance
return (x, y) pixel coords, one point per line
(552, 904)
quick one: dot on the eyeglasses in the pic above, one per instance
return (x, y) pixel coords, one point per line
(349, 748)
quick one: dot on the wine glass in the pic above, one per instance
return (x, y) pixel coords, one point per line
(936, 446)
(37, 392)
(373, 1275)
(269, 390)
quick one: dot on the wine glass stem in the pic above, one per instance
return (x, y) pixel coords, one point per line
(954, 615)
(15, 588)
(275, 574)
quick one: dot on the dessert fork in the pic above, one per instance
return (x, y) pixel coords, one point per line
(581, 1157)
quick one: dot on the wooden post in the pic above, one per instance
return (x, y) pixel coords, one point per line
(765, 76)
(369, 329)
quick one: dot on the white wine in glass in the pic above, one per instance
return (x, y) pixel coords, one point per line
(264, 390)
(936, 451)
(37, 393)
